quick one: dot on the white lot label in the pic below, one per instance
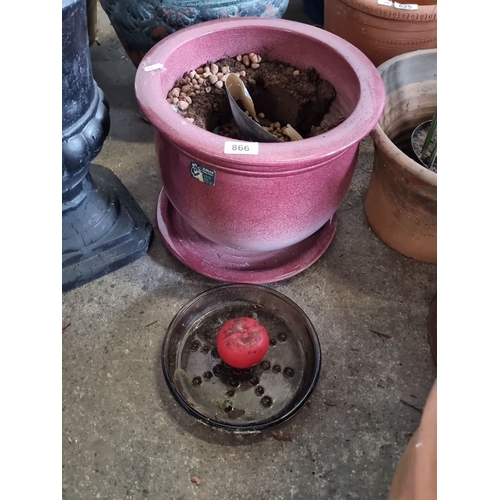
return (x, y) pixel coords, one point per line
(153, 67)
(406, 6)
(241, 148)
(387, 3)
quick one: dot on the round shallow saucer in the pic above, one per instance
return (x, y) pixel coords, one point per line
(235, 266)
(249, 400)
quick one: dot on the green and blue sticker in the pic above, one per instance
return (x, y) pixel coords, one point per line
(203, 174)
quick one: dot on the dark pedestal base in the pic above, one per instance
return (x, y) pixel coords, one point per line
(108, 230)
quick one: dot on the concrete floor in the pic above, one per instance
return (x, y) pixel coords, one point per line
(124, 436)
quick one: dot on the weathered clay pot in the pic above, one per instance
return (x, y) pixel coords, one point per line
(382, 31)
(270, 215)
(401, 202)
(140, 24)
(415, 477)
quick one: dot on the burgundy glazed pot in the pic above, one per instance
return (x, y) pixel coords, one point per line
(271, 215)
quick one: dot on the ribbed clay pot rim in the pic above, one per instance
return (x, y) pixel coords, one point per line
(389, 149)
(275, 158)
(424, 12)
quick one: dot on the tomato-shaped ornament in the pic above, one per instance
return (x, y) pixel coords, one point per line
(242, 342)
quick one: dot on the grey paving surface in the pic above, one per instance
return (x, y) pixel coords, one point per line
(123, 434)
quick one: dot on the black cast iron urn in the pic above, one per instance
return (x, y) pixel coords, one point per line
(103, 228)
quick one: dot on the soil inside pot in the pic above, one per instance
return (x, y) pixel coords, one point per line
(418, 143)
(282, 94)
(403, 142)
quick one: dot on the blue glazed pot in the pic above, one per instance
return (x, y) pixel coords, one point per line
(140, 24)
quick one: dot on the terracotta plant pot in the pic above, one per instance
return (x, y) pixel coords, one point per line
(270, 215)
(140, 24)
(401, 202)
(383, 31)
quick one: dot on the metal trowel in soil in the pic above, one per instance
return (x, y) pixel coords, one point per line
(249, 126)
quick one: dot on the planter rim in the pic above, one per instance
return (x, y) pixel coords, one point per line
(404, 161)
(210, 146)
(407, 55)
(390, 149)
(424, 13)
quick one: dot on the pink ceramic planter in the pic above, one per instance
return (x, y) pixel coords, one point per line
(271, 215)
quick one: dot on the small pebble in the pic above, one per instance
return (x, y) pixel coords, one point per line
(206, 69)
(188, 99)
(190, 120)
(225, 69)
(169, 100)
(175, 100)
(262, 115)
(186, 88)
(208, 90)
(199, 81)
(251, 81)
(253, 57)
(212, 79)
(296, 73)
(183, 105)
(196, 87)
(191, 94)
(200, 71)
(197, 92)
(206, 74)
(255, 65)
(243, 73)
(192, 74)
(224, 77)
(175, 92)
(246, 60)
(214, 69)
(219, 84)
(239, 58)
